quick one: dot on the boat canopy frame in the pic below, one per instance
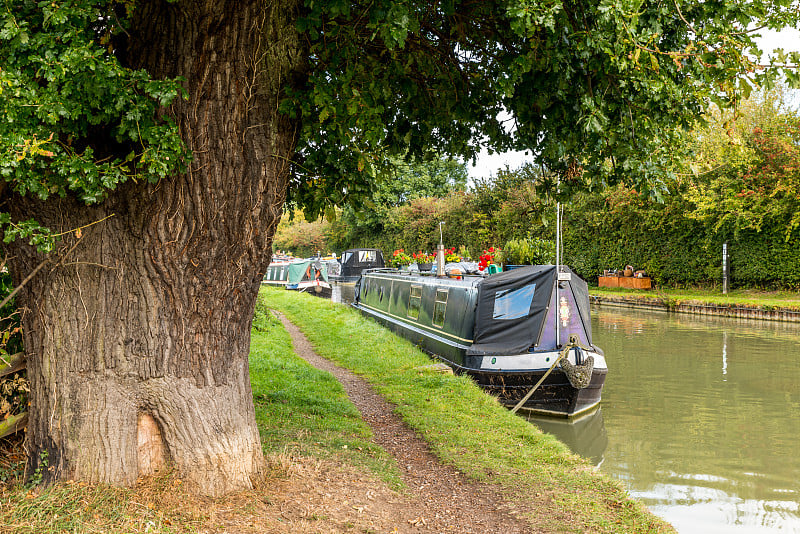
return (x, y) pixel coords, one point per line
(297, 271)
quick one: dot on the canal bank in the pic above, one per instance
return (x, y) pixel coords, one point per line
(751, 305)
(328, 471)
(551, 489)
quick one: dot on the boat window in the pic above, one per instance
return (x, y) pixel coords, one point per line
(346, 257)
(414, 301)
(513, 303)
(366, 256)
(439, 307)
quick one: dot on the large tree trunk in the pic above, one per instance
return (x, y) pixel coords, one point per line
(138, 330)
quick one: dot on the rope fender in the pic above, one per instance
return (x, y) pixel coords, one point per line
(580, 374)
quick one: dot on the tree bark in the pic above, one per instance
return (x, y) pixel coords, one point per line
(137, 332)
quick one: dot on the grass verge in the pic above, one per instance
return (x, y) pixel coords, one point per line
(465, 427)
(303, 411)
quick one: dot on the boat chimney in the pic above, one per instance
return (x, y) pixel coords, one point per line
(440, 253)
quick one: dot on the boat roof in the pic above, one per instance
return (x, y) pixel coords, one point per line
(517, 309)
(425, 278)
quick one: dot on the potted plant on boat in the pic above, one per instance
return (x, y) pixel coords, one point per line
(487, 262)
(424, 260)
(400, 259)
(451, 256)
(530, 251)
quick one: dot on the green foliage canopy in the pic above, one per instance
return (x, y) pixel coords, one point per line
(593, 88)
(75, 121)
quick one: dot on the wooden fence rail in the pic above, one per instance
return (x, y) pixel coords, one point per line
(15, 423)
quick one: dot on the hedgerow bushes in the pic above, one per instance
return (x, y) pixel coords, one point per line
(744, 191)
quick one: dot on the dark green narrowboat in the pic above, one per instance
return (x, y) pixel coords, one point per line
(512, 331)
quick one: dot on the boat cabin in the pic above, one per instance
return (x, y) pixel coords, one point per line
(354, 261)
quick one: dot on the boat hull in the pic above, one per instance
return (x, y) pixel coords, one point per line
(555, 396)
(276, 274)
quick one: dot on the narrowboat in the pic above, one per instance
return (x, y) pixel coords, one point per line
(354, 261)
(277, 272)
(524, 335)
(310, 276)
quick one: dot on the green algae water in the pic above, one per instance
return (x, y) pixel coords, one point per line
(700, 419)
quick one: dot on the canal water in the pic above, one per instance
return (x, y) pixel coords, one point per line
(700, 418)
(343, 293)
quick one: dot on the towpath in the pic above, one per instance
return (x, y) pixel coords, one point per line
(441, 498)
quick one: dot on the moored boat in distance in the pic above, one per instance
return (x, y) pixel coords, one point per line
(511, 332)
(277, 271)
(354, 261)
(309, 275)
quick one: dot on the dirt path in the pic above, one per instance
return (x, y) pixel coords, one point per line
(443, 499)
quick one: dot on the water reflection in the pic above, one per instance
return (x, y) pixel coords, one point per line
(702, 417)
(343, 293)
(585, 435)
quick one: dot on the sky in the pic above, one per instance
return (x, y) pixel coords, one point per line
(488, 165)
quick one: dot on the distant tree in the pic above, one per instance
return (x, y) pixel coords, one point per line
(301, 237)
(748, 168)
(401, 184)
(432, 178)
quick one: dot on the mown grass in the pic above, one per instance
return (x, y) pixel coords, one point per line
(465, 427)
(736, 297)
(303, 411)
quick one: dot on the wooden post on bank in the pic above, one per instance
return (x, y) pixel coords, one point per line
(15, 423)
(725, 268)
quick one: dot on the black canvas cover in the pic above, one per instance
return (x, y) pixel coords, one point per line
(511, 308)
(357, 259)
